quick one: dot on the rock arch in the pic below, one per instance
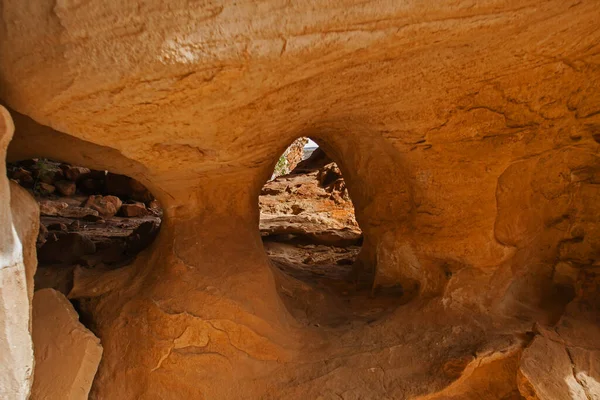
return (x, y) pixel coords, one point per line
(458, 126)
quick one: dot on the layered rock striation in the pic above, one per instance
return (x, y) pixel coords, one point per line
(468, 137)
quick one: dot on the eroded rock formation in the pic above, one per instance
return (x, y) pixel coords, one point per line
(18, 231)
(468, 136)
(66, 353)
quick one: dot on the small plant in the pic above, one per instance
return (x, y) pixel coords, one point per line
(281, 168)
(44, 169)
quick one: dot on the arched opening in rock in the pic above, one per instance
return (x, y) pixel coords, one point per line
(313, 240)
(89, 219)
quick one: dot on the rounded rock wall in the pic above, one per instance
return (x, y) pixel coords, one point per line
(468, 137)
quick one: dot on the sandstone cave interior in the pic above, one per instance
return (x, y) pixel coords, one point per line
(310, 233)
(300, 200)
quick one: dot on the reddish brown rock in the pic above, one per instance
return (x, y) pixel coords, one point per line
(66, 353)
(79, 212)
(134, 210)
(75, 173)
(46, 171)
(23, 176)
(66, 188)
(107, 206)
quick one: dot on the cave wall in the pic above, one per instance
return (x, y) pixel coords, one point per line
(468, 135)
(19, 216)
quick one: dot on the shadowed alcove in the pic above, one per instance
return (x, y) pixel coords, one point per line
(313, 240)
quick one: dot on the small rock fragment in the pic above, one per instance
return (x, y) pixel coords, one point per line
(46, 188)
(51, 208)
(79, 212)
(134, 210)
(23, 176)
(42, 235)
(75, 226)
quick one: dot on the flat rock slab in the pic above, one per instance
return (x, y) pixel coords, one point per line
(561, 365)
(67, 354)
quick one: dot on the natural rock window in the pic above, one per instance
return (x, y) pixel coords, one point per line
(312, 238)
(88, 218)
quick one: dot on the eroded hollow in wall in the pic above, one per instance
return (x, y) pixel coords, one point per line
(312, 238)
(89, 219)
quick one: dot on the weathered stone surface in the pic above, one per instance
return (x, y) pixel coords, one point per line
(134, 210)
(50, 207)
(290, 158)
(467, 133)
(562, 363)
(46, 188)
(66, 353)
(75, 173)
(107, 206)
(19, 219)
(63, 209)
(66, 188)
(78, 212)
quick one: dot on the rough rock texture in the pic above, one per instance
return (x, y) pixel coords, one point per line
(306, 205)
(66, 353)
(292, 155)
(468, 135)
(295, 152)
(19, 219)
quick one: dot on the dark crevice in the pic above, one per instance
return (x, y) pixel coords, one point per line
(88, 219)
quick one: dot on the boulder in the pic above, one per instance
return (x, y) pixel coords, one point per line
(66, 188)
(74, 173)
(19, 227)
(24, 177)
(67, 354)
(107, 206)
(47, 171)
(17, 267)
(136, 209)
